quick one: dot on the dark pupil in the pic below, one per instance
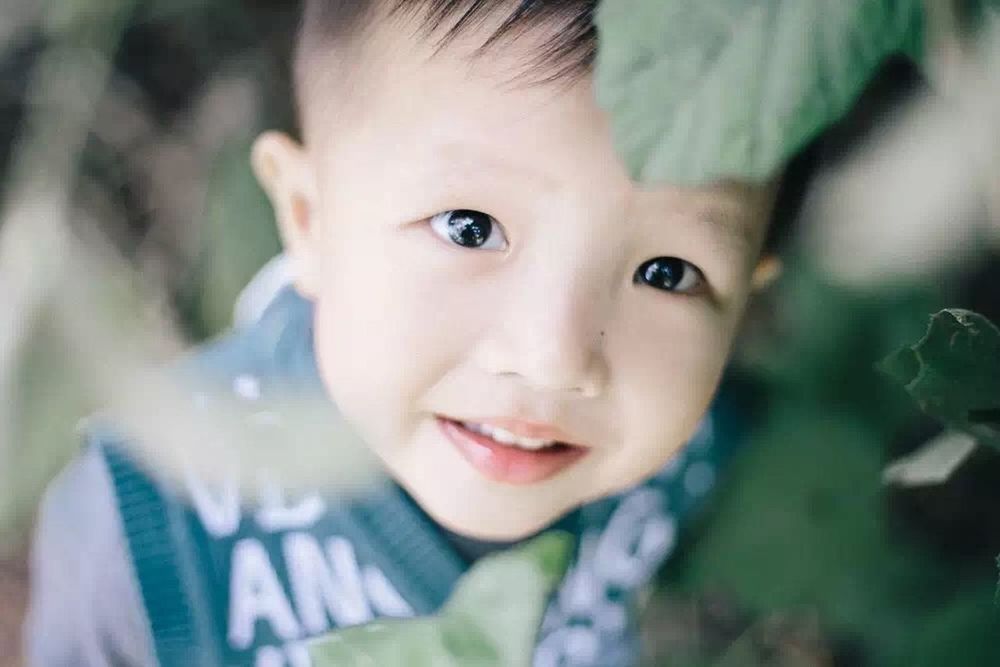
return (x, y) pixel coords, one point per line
(469, 228)
(663, 273)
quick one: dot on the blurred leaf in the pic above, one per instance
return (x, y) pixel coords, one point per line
(776, 642)
(822, 341)
(491, 620)
(48, 402)
(702, 91)
(96, 25)
(974, 13)
(802, 524)
(933, 463)
(953, 373)
(742, 653)
(239, 237)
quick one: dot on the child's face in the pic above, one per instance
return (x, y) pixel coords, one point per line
(522, 310)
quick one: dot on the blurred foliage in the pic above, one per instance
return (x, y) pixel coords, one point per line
(699, 92)
(491, 619)
(163, 174)
(953, 373)
(50, 402)
(239, 237)
(803, 529)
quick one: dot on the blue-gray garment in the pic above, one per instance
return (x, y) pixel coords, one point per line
(127, 572)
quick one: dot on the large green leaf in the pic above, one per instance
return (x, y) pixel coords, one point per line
(701, 91)
(491, 620)
(953, 373)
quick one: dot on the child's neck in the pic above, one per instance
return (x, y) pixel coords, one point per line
(472, 549)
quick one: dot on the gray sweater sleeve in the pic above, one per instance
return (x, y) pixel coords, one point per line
(85, 608)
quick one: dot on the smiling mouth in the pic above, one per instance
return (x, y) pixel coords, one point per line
(513, 458)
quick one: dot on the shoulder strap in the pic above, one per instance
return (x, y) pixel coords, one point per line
(156, 533)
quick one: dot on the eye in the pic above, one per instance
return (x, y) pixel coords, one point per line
(671, 274)
(469, 229)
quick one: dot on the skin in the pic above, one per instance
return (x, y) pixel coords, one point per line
(551, 328)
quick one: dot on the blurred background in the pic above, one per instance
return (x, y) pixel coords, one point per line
(137, 121)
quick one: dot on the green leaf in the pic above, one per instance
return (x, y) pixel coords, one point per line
(953, 373)
(703, 91)
(491, 620)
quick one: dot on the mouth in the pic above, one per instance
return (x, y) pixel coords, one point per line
(513, 453)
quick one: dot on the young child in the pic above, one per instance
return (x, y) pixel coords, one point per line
(523, 336)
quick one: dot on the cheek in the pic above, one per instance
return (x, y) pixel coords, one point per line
(668, 381)
(382, 341)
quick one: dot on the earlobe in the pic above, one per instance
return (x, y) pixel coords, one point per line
(768, 270)
(283, 171)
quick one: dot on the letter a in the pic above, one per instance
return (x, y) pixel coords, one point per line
(256, 594)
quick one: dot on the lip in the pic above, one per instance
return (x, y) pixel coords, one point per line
(509, 464)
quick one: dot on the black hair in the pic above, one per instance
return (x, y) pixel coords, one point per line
(570, 52)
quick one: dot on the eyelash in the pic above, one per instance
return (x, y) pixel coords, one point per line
(465, 228)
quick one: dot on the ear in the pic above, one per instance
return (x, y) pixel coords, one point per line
(284, 172)
(768, 270)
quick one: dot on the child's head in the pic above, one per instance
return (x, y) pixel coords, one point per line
(477, 254)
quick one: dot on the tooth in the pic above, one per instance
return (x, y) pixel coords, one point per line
(507, 438)
(525, 443)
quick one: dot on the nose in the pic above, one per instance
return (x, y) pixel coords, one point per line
(550, 334)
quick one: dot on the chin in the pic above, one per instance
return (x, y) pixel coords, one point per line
(488, 520)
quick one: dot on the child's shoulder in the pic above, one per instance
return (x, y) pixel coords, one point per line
(84, 598)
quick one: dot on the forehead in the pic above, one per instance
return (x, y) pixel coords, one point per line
(412, 109)
(394, 52)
